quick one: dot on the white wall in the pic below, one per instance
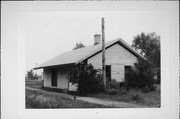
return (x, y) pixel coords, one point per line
(47, 77)
(116, 56)
(62, 81)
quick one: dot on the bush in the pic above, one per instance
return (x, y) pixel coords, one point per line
(122, 92)
(136, 97)
(121, 84)
(141, 76)
(112, 92)
(31, 75)
(113, 84)
(145, 89)
(153, 88)
(89, 81)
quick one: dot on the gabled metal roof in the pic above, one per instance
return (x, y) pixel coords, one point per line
(78, 55)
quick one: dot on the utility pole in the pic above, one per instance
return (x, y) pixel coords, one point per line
(103, 55)
(36, 69)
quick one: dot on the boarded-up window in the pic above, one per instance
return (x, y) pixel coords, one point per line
(117, 72)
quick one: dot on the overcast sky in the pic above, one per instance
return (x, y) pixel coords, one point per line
(48, 34)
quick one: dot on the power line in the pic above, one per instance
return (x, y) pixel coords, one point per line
(46, 25)
(43, 27)
(63, 25)
(60, 26)
(75, 28)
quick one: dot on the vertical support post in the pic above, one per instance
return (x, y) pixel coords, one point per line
(69, 73)
(103, 55)
(36, 69)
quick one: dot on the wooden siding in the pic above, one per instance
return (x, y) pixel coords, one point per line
(116, 56)
(62, 81)
(62, 78)
(47, 77)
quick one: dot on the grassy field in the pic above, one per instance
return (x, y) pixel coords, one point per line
(37, 99)
(151, 99)
(34, 84)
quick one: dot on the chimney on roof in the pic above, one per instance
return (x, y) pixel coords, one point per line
(97, 39)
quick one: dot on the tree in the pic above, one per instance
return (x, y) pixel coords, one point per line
(31, 75)
(149, 46)
(141, 76)
(79, 45)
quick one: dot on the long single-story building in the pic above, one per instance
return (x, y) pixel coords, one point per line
(118, 54)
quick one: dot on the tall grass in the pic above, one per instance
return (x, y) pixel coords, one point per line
(37, 99)
(151, 99)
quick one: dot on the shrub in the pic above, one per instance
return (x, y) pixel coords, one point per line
(89, 81)
(113, 84)
(145, 89)
(121, 84)
(112, 92)
(136, 97)
(153, 88)
(122, 92)
(141, 76)
(31, 75)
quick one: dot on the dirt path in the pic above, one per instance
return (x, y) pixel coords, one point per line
(93, 100)
(109, 103)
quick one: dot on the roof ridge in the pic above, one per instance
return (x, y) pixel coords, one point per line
(78, 55)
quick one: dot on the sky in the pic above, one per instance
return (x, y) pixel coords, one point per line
(48, 34)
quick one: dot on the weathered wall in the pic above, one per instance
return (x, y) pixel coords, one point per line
(47, 77)
(62, 81)
(116, 56)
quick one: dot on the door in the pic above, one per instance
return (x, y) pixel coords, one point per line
(54, 77)
(127, 70)
(117, 72)
(108, 73)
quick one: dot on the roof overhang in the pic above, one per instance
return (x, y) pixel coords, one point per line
(53, 66)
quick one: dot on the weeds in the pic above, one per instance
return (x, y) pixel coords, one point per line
(36, 99)
(136, 97)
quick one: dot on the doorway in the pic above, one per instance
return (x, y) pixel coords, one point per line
(127, 70)
(54, 77)
(108, 73)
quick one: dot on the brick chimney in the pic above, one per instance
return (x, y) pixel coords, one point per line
(97, 39)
